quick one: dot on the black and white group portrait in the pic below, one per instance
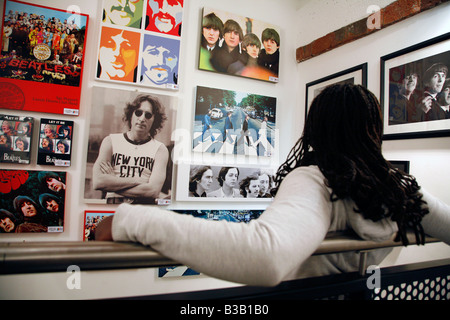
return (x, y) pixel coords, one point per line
(200, 182)
(420, 90)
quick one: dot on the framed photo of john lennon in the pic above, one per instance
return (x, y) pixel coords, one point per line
(233, 122)
(415, 90)
(237, 45)
(129, 147)
(354, 75)
(32, 201)
(42, 58)
(203, 182)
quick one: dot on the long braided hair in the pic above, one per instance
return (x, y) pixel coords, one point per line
(343, 137)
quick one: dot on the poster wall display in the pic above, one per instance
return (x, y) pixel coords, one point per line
(15, 138)
(202, 182)
(232, 122)
(42, 58)
(415, 90)
(32, 201)
(238, 45)
(55, 142)
(215, 215)
(140, 42)
(91, 219)
(129, 149)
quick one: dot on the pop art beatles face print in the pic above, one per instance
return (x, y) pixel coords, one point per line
(140, 42)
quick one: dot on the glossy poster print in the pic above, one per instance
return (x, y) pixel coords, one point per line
(204, 182)
(164, 16)
(42, 58)
(32, 201)
(233, 122)
(118, 54)
(140, 42)
(129, 156)
(238, 45)
(91, 220)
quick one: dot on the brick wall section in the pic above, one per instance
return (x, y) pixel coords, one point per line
(395, 12)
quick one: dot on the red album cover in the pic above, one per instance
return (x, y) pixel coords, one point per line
(91, 219)
(32, 201)
(42, 57)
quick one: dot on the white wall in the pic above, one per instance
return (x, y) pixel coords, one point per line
(298, 28)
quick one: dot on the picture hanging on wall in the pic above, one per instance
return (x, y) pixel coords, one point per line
(232, 122)
(129, 148)
(415, 90)
(42, 58)
(15, 139)
(140, 42)
(55, 142)
(354, 75)
(402, 165)
(237, 45)
(32, 201)
(244, 216)
(200, 182)
(91, 219)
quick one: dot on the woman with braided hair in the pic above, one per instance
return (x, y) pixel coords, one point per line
(334, 179)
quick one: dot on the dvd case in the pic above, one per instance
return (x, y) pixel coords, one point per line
(15, 138)
(55, 142)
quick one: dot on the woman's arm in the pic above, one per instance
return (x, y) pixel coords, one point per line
(437, 222)
(263, 252)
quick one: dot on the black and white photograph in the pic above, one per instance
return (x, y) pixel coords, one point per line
(353, 75)
(233, 122)
(200, 182)
(416, 90)
(129, 148)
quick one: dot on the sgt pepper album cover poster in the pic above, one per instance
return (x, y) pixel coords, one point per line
(91, 220)
(15, 139)
(32, 201)
(42, 57)
(55, 142)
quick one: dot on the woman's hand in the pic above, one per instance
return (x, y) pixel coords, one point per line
(103, 232)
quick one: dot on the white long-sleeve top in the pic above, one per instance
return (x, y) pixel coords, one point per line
(275, 247)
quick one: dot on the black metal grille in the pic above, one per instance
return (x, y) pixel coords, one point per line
(436, 288)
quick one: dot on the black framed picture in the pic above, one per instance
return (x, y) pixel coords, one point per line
(415, 90)
(355, 75)
(401, 164)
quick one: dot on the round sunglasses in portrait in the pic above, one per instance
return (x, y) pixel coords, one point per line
(139, 112)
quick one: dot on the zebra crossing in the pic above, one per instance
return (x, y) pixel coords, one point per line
(227, 147)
